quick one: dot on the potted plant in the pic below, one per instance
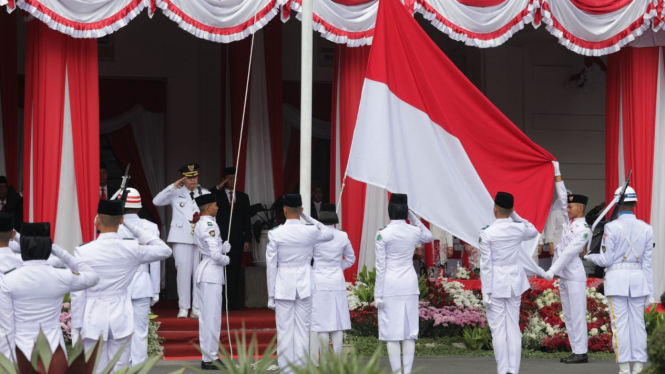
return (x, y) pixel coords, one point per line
(266, 219)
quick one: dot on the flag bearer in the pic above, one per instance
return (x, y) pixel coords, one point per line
(209, 278)
(504, 280)
(330, 307)
(567, 264)
(396, 291)
(288, 256)
(626, 252)
(180, 195)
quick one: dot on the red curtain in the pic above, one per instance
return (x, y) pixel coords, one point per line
(351, 64)
(292, 164)
(124, 146)
(238, 63)
(612, 111)
(9, 93)
(639, 71)
(273, 55)
(51, 57)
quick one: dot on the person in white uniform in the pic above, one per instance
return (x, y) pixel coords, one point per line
(8, 258)
(105, 310)
(396, 292)
(504, 280)
(626, 252)
(445, 247)
(330, 306)
(210, 279)
(567, 264)
(180, 196)
(288, 257)
(554, 226)
(31, 296)
(145, 286)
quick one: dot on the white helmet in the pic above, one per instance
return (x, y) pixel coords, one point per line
(133, 199)
(631, 196)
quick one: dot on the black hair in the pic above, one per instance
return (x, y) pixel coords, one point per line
(35, 247)
(398, 211)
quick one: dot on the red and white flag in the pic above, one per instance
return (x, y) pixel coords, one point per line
(423, 129)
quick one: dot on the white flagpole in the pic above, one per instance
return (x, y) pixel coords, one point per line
(306, 129)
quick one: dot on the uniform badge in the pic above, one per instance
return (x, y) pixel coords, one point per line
(193, 225)
(75, 273)
(570, 198)
(378, 238)
(192, 232)
(190, 167)
(604, 249)
(209, 223)
(212, 233)
(586, 236)
(480, 240)
(182, 204)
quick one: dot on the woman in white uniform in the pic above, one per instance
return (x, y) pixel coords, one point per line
(396, 291)
(330, 307)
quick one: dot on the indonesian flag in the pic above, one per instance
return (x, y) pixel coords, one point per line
(423, 129)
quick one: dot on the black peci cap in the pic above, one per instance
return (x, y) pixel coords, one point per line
(111, 207)
(293, 200)
(6, 222)
(504, 200)
(578, 199)
(205, 199)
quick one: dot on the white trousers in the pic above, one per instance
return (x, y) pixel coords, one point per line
(573, 300)
(293, 320)
(187, 259)
(210, 319)
(629, 334)
(503, 317)
(109, 349)
(139, 344)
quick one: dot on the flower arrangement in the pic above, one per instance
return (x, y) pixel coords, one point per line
(462, 273)
(66, 321)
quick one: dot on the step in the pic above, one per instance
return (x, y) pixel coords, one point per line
(177, 337)
(184, 350)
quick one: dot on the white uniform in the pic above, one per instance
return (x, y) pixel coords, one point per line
(503, 282)
(106, 309)
(330, 307)
(31, 298)
(288, 257)
(209, 280)
(567, 264)
(181, 235)
(145, 285)
(626, 253)
(445, 241)
(396, 279)
(9, 260)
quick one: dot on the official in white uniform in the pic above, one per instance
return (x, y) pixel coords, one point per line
(180, 196)
(330, 306)
(554, 226)
(145, 286)
(567, 264)
(396, 292)
(31, 295)
(106, 309)
(504, 280)
(626, 252)
(288, 257)
(210, 279)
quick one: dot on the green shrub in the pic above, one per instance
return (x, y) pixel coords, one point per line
(476, 338)
(653, 319)
(656, 351)
(347, 363)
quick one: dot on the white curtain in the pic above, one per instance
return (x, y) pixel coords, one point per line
(657, 197)
(148, 128)
(258, 178)
(376, 217)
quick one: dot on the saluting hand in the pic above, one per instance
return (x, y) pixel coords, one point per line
(223, 182)
(180, 182)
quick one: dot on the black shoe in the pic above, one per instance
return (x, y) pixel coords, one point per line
(577, 359)
(211, 365)
(563, 360)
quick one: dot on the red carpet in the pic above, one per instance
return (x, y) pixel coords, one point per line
(182, 335)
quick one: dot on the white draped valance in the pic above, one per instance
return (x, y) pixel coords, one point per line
(588, 27)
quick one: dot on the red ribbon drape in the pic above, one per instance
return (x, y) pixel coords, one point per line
(273, 55)
(612, 110)
(238, 63)
(9, 94)
(638, 95)
(599, 6)
(351, 64)
(124, 146)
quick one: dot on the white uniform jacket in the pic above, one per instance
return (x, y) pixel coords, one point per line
(395, 244)
(328, 262)
(184, 206)
(554, 225)
(147, 279)
(635, 278)
(567, 263)
(289, 254)
(106, 306)
(209, 242)
(9, 260)
(31, 298)
(500, 269)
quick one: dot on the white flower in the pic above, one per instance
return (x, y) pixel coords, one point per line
(593, 332)
(603, 327)
(594, 319)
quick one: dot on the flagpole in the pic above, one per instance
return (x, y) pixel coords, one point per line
(306, 128)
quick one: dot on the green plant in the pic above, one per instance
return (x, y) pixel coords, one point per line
(43, 361)
(424, 289)
(653, 319)
(246, 354)
(154, 340)
(347, 363)
(656, 351)
(475, 338)
(368, 279)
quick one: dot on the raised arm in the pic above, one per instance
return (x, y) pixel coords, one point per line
(166, 195)
(83, 276)
(324, 234)
(425, 234)
(530, 232)
(154, 249)
(561, 192)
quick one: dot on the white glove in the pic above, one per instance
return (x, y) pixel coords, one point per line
(379, 303)
(57, 251)
(311, 220)
(143, 236)
(15, 245)
(226, 247)
(557, 170)
(76, 335)
(486, 300)
(154, 300)
(413, 218)
(271, 303)
(549, 275)
(648, 301)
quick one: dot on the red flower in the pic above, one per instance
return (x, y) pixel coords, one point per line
(196, 217)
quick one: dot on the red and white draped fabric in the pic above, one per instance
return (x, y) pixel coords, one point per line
(419, 130)
(61, 134)
(598, 27)
(221, 21)
(8, 99)
(635, 133)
